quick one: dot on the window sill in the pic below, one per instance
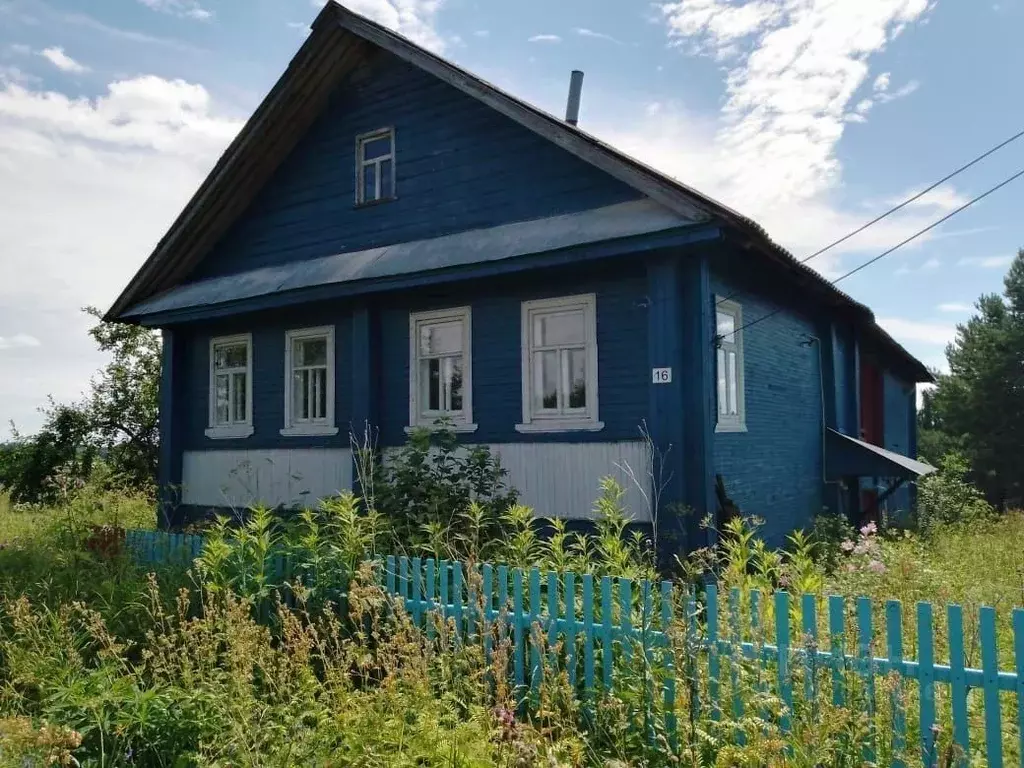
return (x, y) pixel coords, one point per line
(457, 428)
(730, 428)
(229, 433)
(555, 425)
(371, 203)
(310, 430)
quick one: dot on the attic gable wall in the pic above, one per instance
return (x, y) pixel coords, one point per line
(460, 166)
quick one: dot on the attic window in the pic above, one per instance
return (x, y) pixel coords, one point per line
(375, 166)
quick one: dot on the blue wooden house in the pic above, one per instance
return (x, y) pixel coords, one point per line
(390, 241)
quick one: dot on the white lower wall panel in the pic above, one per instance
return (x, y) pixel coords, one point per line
(294, 477)
(564, 479)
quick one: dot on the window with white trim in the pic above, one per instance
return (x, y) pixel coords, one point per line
(309, 382)
(230, 387)
(559, 346)
(440, 368)
(375, 166)
(729, 366)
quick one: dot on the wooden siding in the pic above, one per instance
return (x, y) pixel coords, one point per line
(623, 377)
(774, 469)
(564, 479)
(460, 165)
(268, 340)
(239, 479)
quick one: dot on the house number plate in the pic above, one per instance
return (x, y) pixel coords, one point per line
(661, 375)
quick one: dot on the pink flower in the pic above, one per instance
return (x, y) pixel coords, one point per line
(847, 546)
(868, 529)
(876, 566)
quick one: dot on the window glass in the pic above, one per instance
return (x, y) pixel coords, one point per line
(726, 326)
(441, 338)
(374, 148)
(559, 328)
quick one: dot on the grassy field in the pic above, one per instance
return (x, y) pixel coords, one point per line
(102, 664)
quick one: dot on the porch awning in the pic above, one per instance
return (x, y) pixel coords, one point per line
(847, 456)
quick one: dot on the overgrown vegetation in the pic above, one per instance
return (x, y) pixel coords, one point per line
(233, 664)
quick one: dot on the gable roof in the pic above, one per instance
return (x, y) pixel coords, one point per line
(338, 41)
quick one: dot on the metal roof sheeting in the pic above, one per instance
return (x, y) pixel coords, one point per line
(640, 217)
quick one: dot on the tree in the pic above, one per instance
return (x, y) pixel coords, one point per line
(979, 405)
(123, 401)
(116, 421)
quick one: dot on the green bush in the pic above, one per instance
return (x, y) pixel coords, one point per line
(946, 497)
(829, 531)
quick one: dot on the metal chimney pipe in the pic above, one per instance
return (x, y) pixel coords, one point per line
(572, 108)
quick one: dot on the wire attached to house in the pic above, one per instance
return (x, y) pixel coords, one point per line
(900, 206)
(902, 243)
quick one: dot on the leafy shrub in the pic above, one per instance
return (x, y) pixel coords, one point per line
(828, 532)
(946, 497)
(428, 486)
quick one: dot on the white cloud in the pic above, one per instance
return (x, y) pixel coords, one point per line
(792, 72)
(190, 9)
(926, 266)
(955, 307)
(545, 39)
(114, 171)
(300, 25)
(881, 83)
(987, 262)
(18, 341)
(415, 19)
(62, 61)
(904, 330)
(584, 32)
(482, 33)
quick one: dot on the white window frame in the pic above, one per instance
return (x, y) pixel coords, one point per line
(362, 164)
(233, 429)
(732, 422)
(587, 419)
(459, 421)
(294, 427)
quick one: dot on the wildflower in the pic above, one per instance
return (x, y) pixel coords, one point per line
(876, 566)
(868, 529)
(847, 546)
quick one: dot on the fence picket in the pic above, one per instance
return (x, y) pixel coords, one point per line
(866, 663)
(553, 614)
(571, 661)
(958, 682)
(714, 663)
(417, 591)
(606, 632)
(894, 641)
(518, 616)
(668, 660)
(782, 653)
(403, 581)
(990, 670)
(486, 609)
(692, 640)
(458, 588)
(808, 611)
(626, 620)
(588, 632)
(836, 630)
(535, 633)
(1018, 656)
(926, 682)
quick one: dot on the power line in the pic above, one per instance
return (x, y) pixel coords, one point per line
(900, 244)
(901, 205)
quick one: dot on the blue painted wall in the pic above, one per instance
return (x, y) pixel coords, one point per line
(899, 425)
(497, 356)
(774, 469)
(268, 339)
(460, 165)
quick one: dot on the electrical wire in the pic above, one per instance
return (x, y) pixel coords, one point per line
(902, 243)
(901, 205)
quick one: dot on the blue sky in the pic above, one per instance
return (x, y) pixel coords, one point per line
(809, 115)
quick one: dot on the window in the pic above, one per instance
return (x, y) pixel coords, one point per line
(309, 382)
(230, 387)
(440, 368)
(729, 366)
(559, 340)
(375, 166)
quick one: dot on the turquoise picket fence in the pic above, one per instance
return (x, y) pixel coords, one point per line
(592, 628)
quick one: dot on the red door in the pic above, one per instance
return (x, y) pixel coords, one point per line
(871, 403)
